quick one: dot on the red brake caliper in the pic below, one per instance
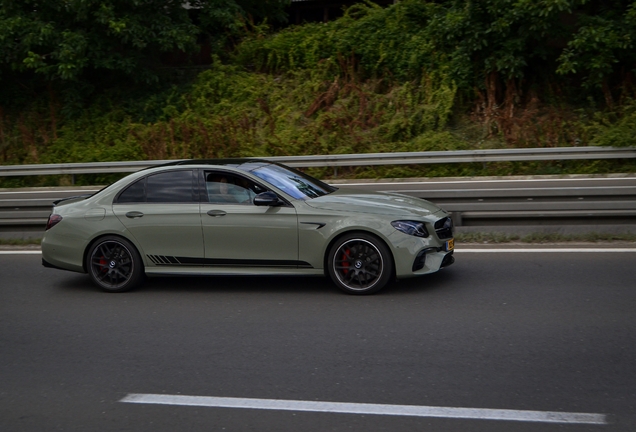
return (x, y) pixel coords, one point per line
(345, 262)
(102, 262)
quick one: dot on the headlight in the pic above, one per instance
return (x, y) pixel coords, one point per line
(417, 229)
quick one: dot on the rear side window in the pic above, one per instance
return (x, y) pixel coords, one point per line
(136, 192)
(174, 186)
(167, 187)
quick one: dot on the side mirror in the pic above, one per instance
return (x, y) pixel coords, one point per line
(268, 198)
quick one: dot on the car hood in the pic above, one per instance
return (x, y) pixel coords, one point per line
(352, 200)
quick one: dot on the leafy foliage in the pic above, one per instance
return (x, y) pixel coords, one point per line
(616, 129)
(86, 42)
(466, 40)
(229, 112)
(603, 41)
(415, 76)
(62, 40)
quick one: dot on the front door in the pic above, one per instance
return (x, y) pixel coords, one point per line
(237, 233)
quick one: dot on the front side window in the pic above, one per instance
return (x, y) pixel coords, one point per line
(226, 188)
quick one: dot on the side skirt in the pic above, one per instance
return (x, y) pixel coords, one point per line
(231, 271)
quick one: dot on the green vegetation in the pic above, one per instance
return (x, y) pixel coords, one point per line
(20, 242)
(88, 81)
(591, 237)
(86, 43)
(462, 238)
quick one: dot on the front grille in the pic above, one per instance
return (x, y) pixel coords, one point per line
(444, 228)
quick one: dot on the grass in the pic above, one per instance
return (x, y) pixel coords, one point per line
(20, 242)
(591, 237)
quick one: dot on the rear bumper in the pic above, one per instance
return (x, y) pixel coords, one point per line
(47, 264)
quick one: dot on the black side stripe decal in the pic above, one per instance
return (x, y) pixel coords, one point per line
(162, 260)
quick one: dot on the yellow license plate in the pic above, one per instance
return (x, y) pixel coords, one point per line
(450, 245)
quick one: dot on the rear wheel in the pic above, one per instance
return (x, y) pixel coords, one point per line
(359, 263)
(114, 264)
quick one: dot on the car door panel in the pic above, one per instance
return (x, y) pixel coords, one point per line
(162, 213)
(165, 230)
(249, 235)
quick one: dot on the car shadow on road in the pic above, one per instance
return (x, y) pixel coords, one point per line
(81, 282)
(74, 282)
(443, 280)
(246, 284)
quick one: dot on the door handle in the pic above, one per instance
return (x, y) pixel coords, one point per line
(134, 215)
(216, 213)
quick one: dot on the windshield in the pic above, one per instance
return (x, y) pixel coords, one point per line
(292, 182)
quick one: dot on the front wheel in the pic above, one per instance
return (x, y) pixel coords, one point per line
(114, 264)
(359, 263)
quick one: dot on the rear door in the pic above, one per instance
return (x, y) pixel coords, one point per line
(162, 213)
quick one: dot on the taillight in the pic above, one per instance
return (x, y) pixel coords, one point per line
(54, 219)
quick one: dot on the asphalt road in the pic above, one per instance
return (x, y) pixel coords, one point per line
(548, 332)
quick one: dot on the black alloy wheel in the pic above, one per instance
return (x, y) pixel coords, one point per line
(114, 264)
(360, 264)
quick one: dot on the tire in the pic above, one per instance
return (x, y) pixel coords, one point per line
(360, 264)
(114, 264)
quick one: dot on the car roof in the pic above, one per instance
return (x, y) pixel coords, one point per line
(234, 162)
(244, 164)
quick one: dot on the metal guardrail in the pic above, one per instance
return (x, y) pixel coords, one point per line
(543, 200)
(609, 202)
(409, 158)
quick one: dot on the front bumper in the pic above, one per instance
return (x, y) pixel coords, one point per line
(420, 260)
(414, 256)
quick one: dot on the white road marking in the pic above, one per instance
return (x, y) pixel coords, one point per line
(20, 252)
(548, 250)
(365, 408)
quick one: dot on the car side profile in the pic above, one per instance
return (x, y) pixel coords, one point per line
(244, 217)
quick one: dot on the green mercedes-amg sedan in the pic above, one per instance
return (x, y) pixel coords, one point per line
(244, 217)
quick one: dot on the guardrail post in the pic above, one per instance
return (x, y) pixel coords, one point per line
(456, 217)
